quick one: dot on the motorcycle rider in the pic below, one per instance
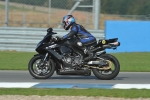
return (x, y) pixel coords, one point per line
(84, 38)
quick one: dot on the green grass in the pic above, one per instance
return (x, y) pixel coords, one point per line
(134, 62)
(2, 7)
(14, 8)
(14, 60)
(129, 62)
(129, 93)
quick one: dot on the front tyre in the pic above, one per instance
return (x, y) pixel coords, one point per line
(112, 72)
(40, 70)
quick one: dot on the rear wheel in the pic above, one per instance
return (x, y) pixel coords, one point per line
(41, 70)
(111, 69)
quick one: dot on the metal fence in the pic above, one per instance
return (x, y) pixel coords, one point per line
(26, 39)
(47, 13)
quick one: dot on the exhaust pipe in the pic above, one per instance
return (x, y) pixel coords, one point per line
(94, 62)
(101, 62)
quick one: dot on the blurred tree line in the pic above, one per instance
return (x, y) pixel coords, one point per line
(125, 7)
(30, 2)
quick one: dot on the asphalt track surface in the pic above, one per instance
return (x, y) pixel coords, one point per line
(122, 78)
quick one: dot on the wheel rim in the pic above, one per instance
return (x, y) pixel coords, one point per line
(39, 70)
(110, 68)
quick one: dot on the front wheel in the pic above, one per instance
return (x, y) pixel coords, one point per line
(41, 70)
(113, 68)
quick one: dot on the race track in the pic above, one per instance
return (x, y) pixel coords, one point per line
(123, 78)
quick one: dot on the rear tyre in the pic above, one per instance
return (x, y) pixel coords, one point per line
(110, 73)
(39, 71)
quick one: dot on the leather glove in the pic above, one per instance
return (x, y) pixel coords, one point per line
(57, 38)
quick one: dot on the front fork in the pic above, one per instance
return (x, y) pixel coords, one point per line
(42, 66)
(44, 59)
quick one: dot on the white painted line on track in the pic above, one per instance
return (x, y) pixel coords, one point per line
(131, 86)
(48, 85)
(17, 84)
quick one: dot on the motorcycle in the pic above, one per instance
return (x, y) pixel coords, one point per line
(62, 57)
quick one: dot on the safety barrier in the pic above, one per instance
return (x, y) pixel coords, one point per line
(26, 39)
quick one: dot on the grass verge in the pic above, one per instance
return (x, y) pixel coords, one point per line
(14, 60)
(134, 62)
(119, 93)
(129, 62)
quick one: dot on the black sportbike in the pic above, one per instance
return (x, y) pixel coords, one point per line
(64, 58)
